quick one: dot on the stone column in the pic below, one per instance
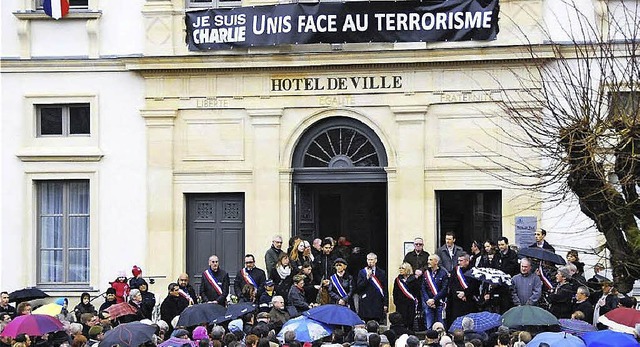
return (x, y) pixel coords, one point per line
(409, 177)
(160, 233)
(266, 179)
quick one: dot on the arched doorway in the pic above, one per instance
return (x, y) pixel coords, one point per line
(340, 185)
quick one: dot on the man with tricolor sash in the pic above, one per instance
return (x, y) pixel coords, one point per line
(372, 287)
(215, 283)
(463, 291)
(250, 275)
(435, 287)
(186, 290)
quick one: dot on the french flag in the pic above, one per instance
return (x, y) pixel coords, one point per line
(56, 8)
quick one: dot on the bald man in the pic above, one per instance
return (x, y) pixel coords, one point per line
(186, 290)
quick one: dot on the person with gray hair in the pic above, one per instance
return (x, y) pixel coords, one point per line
(560, 297)
(468, 326)
(371, 284)
(272, 254)
(583, 305)
(360, 337)
(526, 287)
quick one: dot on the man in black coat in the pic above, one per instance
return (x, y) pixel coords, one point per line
(4, 305)
(418, 258)
(463, 291)
(372, 287)
(323, 263)
(172, 305)
(251, 275)
(186, 289)
(540, 241)
(506, 259)
(215, 283)
(583, 305)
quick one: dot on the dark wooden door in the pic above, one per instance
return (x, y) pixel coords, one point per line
(215, 225)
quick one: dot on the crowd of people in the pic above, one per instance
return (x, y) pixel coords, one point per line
(429, 292)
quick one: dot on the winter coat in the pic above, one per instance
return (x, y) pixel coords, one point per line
(372, 302)
(404, 305)
(209, 293)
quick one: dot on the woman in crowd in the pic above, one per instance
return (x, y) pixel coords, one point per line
(406, 289)
(282, 275)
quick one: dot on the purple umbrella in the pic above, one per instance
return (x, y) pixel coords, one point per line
(575, 326)
(177, 342)
(32, 325)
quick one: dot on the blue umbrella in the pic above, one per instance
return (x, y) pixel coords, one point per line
(575, 326)
(556, 339)
(128, 335)
(235, 311)
(306, 329)
(334, 314)
(541, 254)
(199, 314)
(608, 338)
(483, 321)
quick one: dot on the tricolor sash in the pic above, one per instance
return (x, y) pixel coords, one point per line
(247, 278)
(545, 280)
(403, 288)
(211, 278)
(185, 295)
(377, 284)
(431, 283)
(337, 283)
(461, 279)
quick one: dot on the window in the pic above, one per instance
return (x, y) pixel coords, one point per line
(213, 3)
(64, 120)
(63, 231)
(624, 104)
(73, 4)
(471, 214)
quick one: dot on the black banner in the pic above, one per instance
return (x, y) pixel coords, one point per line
(348, 22)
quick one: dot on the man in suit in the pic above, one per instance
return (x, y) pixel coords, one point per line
(372, 287)
(251, 275)
(215, 283)
(540, 241)
(449, 252)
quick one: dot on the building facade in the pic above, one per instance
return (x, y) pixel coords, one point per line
(120, 146)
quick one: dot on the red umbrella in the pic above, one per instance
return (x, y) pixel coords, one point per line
(121, 309)
(32, 325)
(621, 319)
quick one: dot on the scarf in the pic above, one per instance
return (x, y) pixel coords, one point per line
(283, 271)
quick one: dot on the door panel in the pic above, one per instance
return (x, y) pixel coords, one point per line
(215, 225)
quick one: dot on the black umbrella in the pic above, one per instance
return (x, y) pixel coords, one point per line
(541, 254)
(27, 294)
(128, 335)
(201, 313)
(235, 311)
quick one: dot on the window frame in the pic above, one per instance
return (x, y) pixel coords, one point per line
(66, 248)
(66, 119)
(38, 5)
(193, 5)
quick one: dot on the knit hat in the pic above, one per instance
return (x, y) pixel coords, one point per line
(340, 260)
(200, 333)
(121, 273)
(94, 331)
(111, 290)
(136, 271)
(235, 325)
(60, 301)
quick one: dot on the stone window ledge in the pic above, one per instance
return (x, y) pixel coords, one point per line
(75, 14)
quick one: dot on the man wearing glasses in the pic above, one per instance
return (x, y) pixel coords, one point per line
(186, 290)
(172, 305)
(272, 254)
(418, 258)
(215, 283)
(250, 275)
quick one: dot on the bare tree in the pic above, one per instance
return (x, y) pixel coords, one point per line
(577, 115)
